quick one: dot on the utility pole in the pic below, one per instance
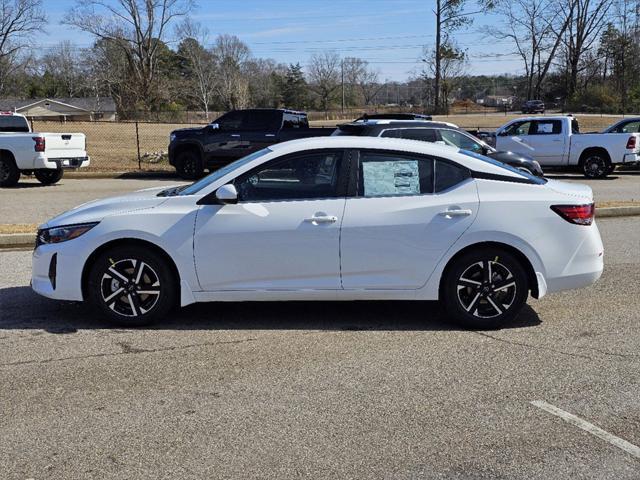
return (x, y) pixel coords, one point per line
(342, 81)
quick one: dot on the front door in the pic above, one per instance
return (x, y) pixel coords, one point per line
(284, 232)
(408, 211)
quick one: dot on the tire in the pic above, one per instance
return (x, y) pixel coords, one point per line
(9, 173)
(475, 300)
(48, 176)
(189, 165)
(595, 165)
(117, 270)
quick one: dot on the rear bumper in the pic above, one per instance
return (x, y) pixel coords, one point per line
(42, 161)
(631, 158)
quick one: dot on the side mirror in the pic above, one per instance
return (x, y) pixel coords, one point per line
(502, 133)
(225, 195)
(214, 126)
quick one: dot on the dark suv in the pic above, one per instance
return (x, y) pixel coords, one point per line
(234, 135)
(437, 132)
(533, 106)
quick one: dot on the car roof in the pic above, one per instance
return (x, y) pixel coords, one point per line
(391, 144)
(396, 122)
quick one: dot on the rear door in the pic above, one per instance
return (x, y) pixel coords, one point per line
(548, 142)
(403, 214)
(260, 129)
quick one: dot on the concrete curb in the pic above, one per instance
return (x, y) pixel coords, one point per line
(18, 240)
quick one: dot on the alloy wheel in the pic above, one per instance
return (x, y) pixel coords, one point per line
(595, 167)
(130, 287)
(486, 289)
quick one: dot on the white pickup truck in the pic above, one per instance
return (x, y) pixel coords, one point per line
(557, 142)
(45, 155)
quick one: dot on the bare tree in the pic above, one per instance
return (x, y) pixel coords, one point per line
(588, 19)
(453, 62)
(200, 65)
(536, 28)
(138, 29)
(369, 85)
(19, 21)
(63, 64)
(324, 73)
(231, 86)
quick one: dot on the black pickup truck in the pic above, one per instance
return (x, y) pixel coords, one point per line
(234, 135)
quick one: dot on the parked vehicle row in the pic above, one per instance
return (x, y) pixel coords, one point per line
(557, 142)
(333, 218)
(44, 155)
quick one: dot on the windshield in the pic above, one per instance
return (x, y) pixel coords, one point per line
(218, 174)
(533, 178)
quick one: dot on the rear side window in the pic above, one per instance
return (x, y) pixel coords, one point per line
(421, 134)
(546, 127)
(391, 174)
(294, 120)
(13, 123)
(449, 175)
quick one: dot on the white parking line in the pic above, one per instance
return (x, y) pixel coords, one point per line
(588, 427)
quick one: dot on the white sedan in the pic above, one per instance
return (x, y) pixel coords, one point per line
(332, 218)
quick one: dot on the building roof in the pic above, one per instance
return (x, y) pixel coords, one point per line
(89, 104)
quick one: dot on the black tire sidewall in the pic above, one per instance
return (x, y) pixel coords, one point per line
(606, 170)
(168, 285)
(449, 289)
(49, 177)
(189, 156)
(14, 173)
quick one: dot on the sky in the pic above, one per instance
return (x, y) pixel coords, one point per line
(389, 34)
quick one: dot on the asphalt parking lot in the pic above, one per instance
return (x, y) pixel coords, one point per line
(39, 203)
(324, 390)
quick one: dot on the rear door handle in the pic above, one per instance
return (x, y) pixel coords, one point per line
(235, 135)
(456, 213)
(318, 219)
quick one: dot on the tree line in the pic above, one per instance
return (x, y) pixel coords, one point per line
(151, 55)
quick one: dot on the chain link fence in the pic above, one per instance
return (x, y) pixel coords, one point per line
(130, 145)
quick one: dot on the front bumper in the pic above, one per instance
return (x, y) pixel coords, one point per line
(56, 272)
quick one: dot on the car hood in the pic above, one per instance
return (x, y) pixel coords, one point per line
(96, 210)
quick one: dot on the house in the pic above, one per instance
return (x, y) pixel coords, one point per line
(63, 109)
(496, 100)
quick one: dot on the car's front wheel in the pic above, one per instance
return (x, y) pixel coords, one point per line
(131, 285)
(485, 288)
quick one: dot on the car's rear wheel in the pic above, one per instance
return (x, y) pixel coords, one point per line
(48, 176)
(131, 285)
(485, 288)
(9, 173)
(596, 165)
(189, 165)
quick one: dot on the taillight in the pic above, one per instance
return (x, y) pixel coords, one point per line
(40, 144)
(578, 214)
(631, 143)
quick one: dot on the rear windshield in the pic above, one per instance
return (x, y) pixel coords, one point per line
(528, 176)
(351, 130)
(13, 123)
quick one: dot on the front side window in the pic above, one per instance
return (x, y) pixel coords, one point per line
(422, 134)
(301, 177)
(231, 121)
(390, 174)
(547, 127)
(261, 120)
(460, 140)
(518, 129)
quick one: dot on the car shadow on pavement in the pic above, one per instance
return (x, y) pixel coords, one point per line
(20, 308)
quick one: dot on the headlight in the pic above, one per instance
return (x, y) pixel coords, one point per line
(62, 234)
(172, 137)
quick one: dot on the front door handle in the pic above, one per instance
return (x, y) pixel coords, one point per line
(318, 219)
(457, 212)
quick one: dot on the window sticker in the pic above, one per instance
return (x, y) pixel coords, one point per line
(545, 127)
(391, 178)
